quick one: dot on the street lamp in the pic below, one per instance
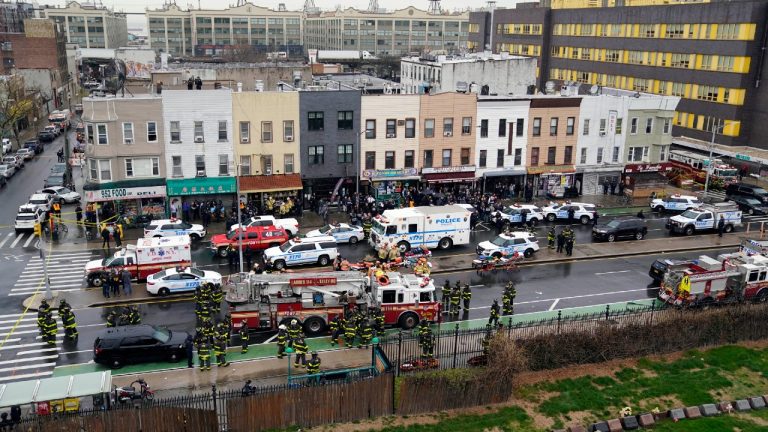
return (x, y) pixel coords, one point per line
(374, 342)
(289, 351)
(709, 162)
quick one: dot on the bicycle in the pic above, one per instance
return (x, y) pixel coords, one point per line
(625, 200)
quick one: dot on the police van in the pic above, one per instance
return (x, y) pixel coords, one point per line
(675, 202)
(432, 226)
(173, 227)
(309, 250)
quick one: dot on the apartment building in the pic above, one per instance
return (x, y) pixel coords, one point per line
(708, 54)
(501, 141)
(394, 33)
(447, 141)
(208, 32)
(90, 26)
(389, 148)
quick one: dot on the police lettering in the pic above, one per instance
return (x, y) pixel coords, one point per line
(447, 221)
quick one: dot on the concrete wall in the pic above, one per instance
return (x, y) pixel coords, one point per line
(546, 109)
(510, 111)
(504, 77)
(383, 107)
(230, 76)
(449, 105)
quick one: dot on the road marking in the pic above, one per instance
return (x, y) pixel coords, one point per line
(29, 240)
(572, 297)
(52, 266)
(30, 280)
(29, 359)
(270, 339)
(48, 349)
(554, 304)
(612, 272)
(476, 286)
(18, 326)
(17, 240)
(25, 376)
(28, 345)
(34, 366)
(8, 237)
(66, 287)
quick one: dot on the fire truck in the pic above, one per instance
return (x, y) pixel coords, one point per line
(694, 166)
(266, 301)
(734, 277)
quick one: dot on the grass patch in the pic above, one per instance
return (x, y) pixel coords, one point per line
(506, 419)
(711, 424)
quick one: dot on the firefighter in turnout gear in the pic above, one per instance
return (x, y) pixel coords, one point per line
(366, 333)
(423, 331)
(350, 331)
(220, 349)
(68, 321)
(49, 329)
(486, 341)
(282, 340)
(428, 345)
(204, 354)
(301, 352)
(112, 318)
(222, 330)
(217, 295)
(244, 336)
(456, 299)
(508, 299)
(335, 325)
(42, 311)
(551, 235)
(64, 307)
(494, 318)
(367, 226)
(379, 321)
(466, 295)
(446, 295)
(134, 318)
(313, 365)
(294, 331)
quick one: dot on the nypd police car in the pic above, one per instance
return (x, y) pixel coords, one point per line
(514, 214)
(173, 227)
(343, 233)
(311, 250)
(675, 203)
(582, 212)
(509, 243)
(175, 280)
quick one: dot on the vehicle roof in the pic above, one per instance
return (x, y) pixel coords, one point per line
(515, 234)
(4, 166)
(40, 196)
(28, 206)
(127, 331)
(681, 196)
(165, 221)
(182, 240)
(627, 218)
(173, 270)
(317, 239)
(23, 150)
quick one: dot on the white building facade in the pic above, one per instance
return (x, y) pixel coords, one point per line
(501, 140)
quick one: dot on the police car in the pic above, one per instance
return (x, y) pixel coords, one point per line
(311, 250)
(509, 243)
(28, 216)
(675, 203)
(173, 227)
(343, 233)
(175, 280)
(514, 214)
(583, 212)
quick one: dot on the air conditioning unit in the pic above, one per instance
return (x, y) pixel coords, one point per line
(245, 140)
(129, 140)
(391, 135)
(268, 171)
(401, 122)
(602, 133)
(201, 173)
(447, 134)
(199, 139)
(289, 138)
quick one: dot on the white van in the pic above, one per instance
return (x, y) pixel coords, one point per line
(321, 250)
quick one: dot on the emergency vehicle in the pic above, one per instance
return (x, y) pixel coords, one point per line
(695, 166)
(174, 227)
(290, 225)
(312, 250)
(583, 212)
(266, 301)
(508, 244)
(514, 214)
(432, 226)
(253, 238)
(147, 257)
(675, 203)
(27, 217)
(706, 217)
(730, 278)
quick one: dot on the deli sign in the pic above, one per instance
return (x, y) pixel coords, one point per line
(125, 193)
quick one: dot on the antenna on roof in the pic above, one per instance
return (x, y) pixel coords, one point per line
(434, 7)
(373, 5)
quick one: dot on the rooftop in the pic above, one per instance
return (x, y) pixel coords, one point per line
(437, 58)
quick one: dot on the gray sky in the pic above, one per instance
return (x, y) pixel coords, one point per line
(140, 5)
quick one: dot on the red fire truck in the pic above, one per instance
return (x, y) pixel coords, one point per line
(694, 166)
(266, 301)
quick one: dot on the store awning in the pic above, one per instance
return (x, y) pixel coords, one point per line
(270, 183)
(449, 177)
(505, 172)
(48, 389)
(201, 186)
(554, 169)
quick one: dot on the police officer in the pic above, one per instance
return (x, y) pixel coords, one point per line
(282, 340)
(204, 354)
(313, 365)
(335, 326)
(189, 345)
(551, 235)
(244, 336)
(560, 241)
(494, 318)
(466, 295)
(570, 237)
(301, 352)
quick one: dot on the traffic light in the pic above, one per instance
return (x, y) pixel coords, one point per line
(38, 230)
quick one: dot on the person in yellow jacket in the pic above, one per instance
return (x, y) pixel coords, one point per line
(383, 253)
(393, 254)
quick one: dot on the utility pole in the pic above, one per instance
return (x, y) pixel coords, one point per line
(40, 246)
(709, 162)
(239, 218)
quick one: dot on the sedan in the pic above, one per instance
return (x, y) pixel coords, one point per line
(62, 194)
(749, 205)
(46, 136)
(174, 281)
(25, 153)
(343, 233)
(7, 171)
(16, 161)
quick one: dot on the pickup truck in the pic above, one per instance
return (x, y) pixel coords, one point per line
(705, 217)
(290, 225)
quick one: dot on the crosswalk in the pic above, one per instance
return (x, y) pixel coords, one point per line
(23, 354)
(716, 195)
(11, 240)
(65, 272)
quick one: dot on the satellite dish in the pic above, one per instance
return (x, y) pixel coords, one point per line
(593, 90)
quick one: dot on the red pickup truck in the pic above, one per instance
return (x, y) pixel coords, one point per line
(254, 238)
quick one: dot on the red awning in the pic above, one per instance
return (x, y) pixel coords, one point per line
(449, 177)
(270, 183)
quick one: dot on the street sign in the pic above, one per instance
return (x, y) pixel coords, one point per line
(743, 157)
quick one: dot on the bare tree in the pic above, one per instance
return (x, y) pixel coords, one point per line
(16, 104)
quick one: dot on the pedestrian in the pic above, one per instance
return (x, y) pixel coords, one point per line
(79, 214)
(596, 216)
(174, 210)
(494, 318)
(118, 236)
(244, 337)
(301, 353)
(126, 276)
(198, 83)
(720, 226)
(560, 241)
(605, 187)
(105, 236)
(189, 345)
(190, 83)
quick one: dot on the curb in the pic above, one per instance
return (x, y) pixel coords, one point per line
(131, 301)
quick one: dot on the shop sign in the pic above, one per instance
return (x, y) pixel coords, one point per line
(743, 157)
(451, 169)
(125, 193)
(390, 173)
(202, 186)
(647, 168)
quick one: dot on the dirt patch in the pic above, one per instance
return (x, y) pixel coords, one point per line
(539, 420)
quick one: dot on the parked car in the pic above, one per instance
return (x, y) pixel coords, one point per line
(46, 136)
(174, 281)
(507, 244)
(60, 168)
(143, 343)
(343, 233)
(675, 203)
(35, 145)
(7, 171)
(25, 153)
(749, 204)
(62, 194)
(54, 129)
(3, 181)
(15, 160)
(743, 189)
(54, 180)
(254, 238)
(621, 228)
(583, 212)
(7, 146)
(173, 227)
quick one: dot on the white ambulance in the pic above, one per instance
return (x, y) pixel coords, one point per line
(434, 227)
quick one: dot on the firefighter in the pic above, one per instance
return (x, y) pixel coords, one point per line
(222, 330)
(393, 255)
(49, 329)
(446, 292)
(208, 330)
(204, 354)
(367, 226)
(70, 327)
(313, 365)
(494, 318)
(428, 346)
(366, 333)
(217, 295)
(486, 341)
(350, 331)
(335, 325)
(551, 237)
(301, 352)
(466, 295)
(509, 299)
(244, 336)
(282, 339)
(294, 331)
(455, 299)
(64, 307)
(383, 253)
(379, 321)
(423, 331)
(220, 349)
(134, 318)
(112, 318)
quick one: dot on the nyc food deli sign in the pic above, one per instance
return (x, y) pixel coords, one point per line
(125, 193)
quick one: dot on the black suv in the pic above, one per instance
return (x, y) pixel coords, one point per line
(743, 189)
(624, 227)
(35, 145)
(117, 346)
(749, 204)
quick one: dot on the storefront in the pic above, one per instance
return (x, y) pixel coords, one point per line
(590, 179)
(389, 184)
(129, 198)
(643, 180)
(202, 189)
(279, 187)
(499, 181)
(553, 181)
(454, 178)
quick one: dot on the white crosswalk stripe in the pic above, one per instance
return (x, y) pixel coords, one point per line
(65, 273)
(23, 355)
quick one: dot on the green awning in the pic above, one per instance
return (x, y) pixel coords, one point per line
(201, 186)
(125, 184)
(56, 388)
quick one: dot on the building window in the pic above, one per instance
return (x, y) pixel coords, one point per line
(344, 153)
(128, 133)
(410, 128)
(599, 155)
(370, 129)
(288, 162)
(568, 157)
(603, 126)
(615, 156)
(346, 120)
(583, 158)
(637, 154)
(466, 125)
(483, 157)
(142, 167)
(245, 165)
(553, 126)
(389, 160)
(570, 122)
(537, 126)
(484, 128)
(633, 125)
(316, 155)
(175, 132)
(551, 155)
(663, 152)
(176, 166)
(708, 93)
(288, 130)
(100, 170)
(429, 128)
(391, 128)
(585, 129)
(370, 160)
(199, 137)
(200, 165)
(266, 132)
(315, 120)
(649, 125)
(499, 158)
(518, 157)
(521, 127)
(448, 126)
(502, 127)
(428, 156)
(465, 156)
(619, 122)
(151, 131)
(409, 159)
(245, 132)
(101, 130)
(266, 164)
(447, 156)
(667, 126)
(534, 156)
